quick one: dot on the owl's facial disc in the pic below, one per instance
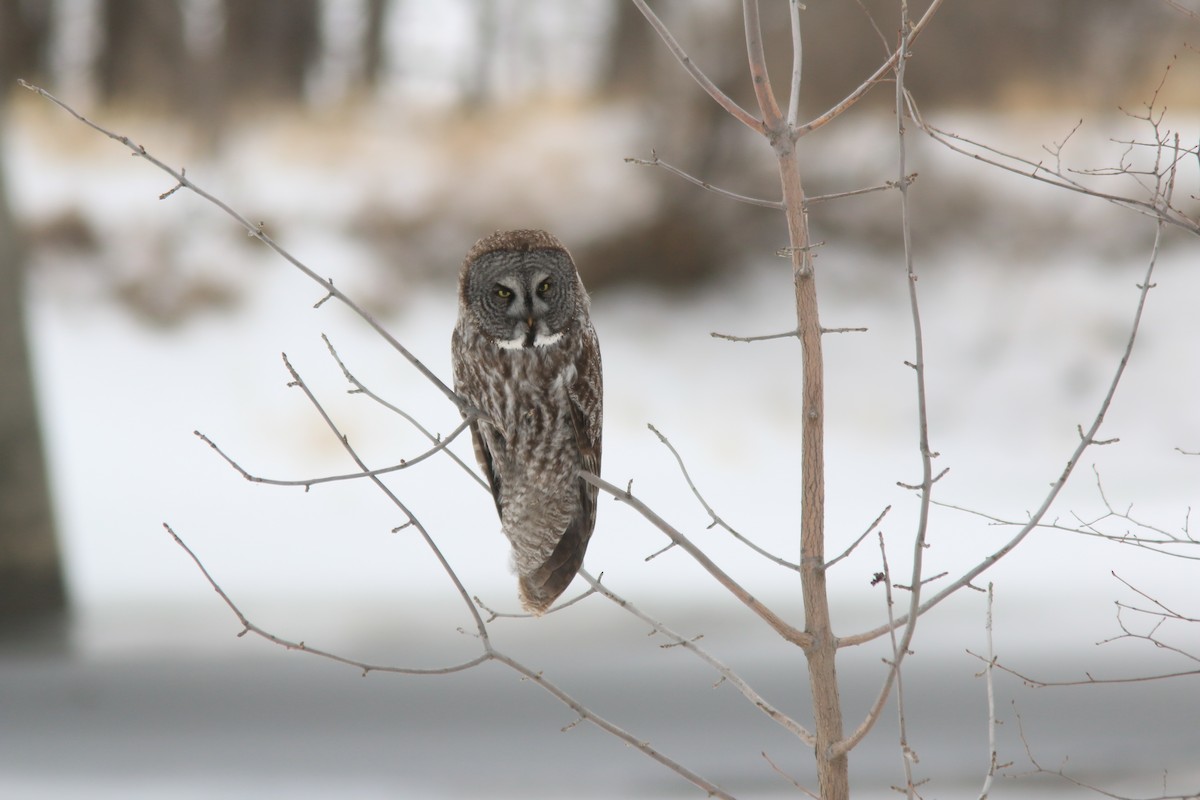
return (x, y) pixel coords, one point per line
(526, 309)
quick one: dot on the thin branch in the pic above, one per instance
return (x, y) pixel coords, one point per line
(722, 669)
(907, 756)
(716, 518)
(993, 759)
(773, 118)
(365, 667)
(795, 783)
(893, 673)
(861, 536)
(361, 388)
(901, 648)
(1056, 487)
(1054, 177)
(1040, 770)
(887, 66)
(255, 230)
(883, 187)
(495, 615)
(763, 338)
(789, 632)
(489, 654)
(655, 161)
(396, 501)
(307, 483)
(793, 114)
(737, 112)
(586, 714)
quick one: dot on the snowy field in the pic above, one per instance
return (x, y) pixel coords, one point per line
(156, 694)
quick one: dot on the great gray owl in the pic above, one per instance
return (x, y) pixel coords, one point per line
(526, 356)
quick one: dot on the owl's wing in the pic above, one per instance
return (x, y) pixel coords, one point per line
(466, 376)
(541, 588)
(587, 415)
(483, 454)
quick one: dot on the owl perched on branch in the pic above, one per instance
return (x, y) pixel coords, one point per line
(526, 356)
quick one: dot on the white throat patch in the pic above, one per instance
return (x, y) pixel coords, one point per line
(518, 343)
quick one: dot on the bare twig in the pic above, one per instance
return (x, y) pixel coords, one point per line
(795, 783)
(361, 388)
(908, 756)
(861, 536)
(789, 632)
(722, 669)
(1036, 170)
(308, 483)
(900, 648)
(737, 112)
(716, 518)
(1060, 773)
(886, 67)
(655, 161)
(793, 114)
(993, 755)
(490, 653)
(255, 230)
(365, 667)
(1057, 485)
(763, 338)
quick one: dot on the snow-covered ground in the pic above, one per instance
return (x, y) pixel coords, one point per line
(1019, 351)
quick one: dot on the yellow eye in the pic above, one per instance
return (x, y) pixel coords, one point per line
(543, 287)
(503, 292)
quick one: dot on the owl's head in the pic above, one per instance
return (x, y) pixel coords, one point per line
(522, 289)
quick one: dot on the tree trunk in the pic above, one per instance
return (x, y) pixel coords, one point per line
(833, 772)
(31, 583)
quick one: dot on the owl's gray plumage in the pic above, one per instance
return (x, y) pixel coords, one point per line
(526, 356)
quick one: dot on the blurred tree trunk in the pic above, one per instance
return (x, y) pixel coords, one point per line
(143, 57)
(270, 45)
(632, 53)
(31, 581)
(374, 42)
(24, 35)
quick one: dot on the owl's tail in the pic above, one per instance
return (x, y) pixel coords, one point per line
(539, 589)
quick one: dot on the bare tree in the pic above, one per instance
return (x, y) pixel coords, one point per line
(777, 119)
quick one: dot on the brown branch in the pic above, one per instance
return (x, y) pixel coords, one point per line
(773, 119)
